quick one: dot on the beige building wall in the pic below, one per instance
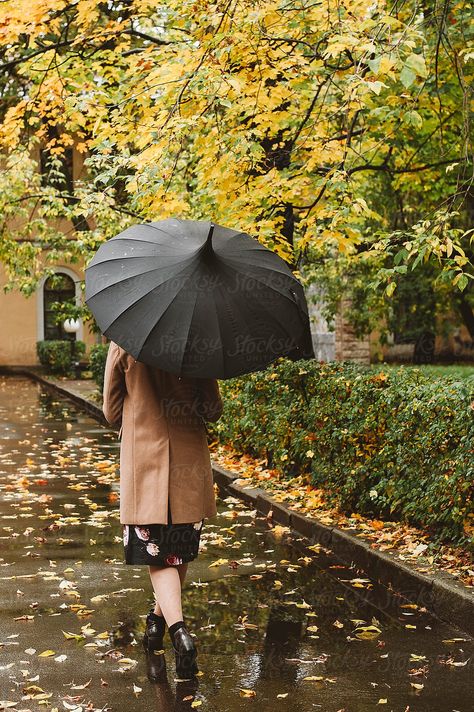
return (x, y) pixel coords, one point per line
(21, 318)
(21, 321)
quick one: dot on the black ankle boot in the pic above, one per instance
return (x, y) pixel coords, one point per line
(154, 632)
(185, 653)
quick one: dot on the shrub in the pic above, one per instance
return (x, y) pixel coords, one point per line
(55, 354)
(97, 359)
(393, 443)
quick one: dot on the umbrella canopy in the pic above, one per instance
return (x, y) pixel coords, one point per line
(197, 299)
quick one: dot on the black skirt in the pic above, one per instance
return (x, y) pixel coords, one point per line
(161, 544)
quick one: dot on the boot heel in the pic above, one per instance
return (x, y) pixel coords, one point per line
(186, 665)
(185, 652)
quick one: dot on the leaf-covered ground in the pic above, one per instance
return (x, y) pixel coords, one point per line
(278, 624)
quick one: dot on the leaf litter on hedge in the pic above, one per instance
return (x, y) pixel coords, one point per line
(411, 543)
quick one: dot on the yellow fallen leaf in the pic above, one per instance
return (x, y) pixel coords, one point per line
(72, 636)
(283, 694)
(313, 677)
(100, 598)
(87, 630)
(367, 632)
(196, 703)
(382, 701)
(247, 693)
(46, 653)
(219, 562)
(303, 605)
(312, 628)
(278, 529)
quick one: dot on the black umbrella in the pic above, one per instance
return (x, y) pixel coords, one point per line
(197, 299)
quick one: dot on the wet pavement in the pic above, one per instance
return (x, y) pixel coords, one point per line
(278, 625)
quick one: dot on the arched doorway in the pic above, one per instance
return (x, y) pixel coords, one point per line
(58, 287)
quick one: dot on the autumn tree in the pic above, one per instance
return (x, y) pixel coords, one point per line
(336, 132)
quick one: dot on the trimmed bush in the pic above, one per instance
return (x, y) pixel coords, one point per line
(55, 354)
(97, 359)
(393, 444)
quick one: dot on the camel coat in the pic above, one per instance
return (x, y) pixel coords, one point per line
(163, 448)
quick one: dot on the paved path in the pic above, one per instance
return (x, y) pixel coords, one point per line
(278, 625)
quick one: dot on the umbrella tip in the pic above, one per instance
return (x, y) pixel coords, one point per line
(208, 249)
(209, 234)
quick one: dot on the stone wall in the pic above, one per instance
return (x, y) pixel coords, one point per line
(323, 338)
(339, 344)
(347, 346)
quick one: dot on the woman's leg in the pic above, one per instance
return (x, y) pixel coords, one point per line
(182, 569)
(166, 581)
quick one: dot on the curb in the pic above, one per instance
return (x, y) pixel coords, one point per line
(439, 593)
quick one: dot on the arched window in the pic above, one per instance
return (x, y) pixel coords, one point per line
(58, 287)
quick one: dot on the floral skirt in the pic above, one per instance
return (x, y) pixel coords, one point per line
(161, 544)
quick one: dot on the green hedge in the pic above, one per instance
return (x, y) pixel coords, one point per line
(395, 444)
(97, 359)
(55, 354)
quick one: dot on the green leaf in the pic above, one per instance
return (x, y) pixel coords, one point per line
(376, 86)
(407, 77)
(413, 118)
(374, 64)
(416, 62)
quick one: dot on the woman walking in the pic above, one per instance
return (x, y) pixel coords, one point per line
(166, 484)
